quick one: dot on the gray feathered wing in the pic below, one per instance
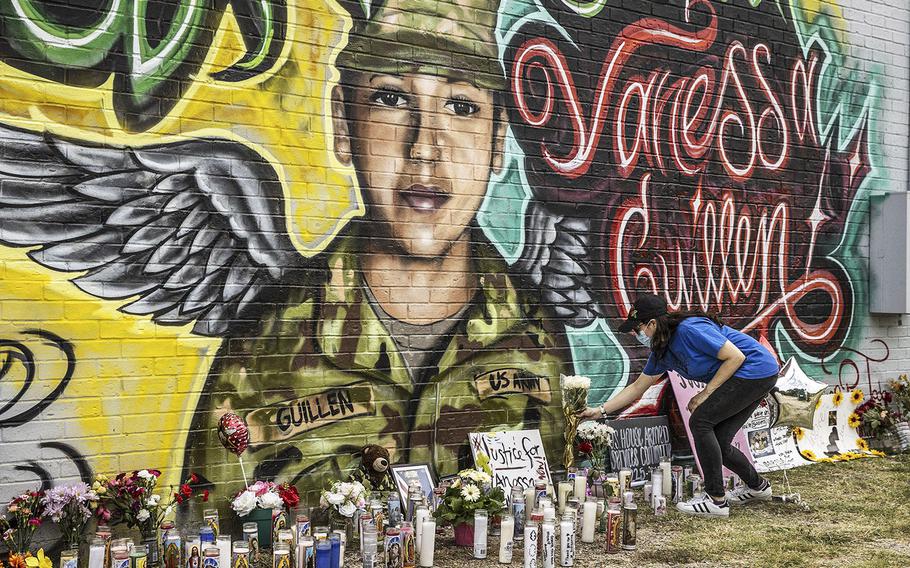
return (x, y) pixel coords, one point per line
(187, 232)
(555, 261)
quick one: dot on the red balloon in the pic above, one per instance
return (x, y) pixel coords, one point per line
(233, 433)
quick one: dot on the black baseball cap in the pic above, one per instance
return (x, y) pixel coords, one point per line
(645, 308)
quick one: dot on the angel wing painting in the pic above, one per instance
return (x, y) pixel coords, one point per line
(409, 331)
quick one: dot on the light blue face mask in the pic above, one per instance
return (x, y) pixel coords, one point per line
(642, 338)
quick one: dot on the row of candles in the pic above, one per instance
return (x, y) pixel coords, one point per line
(393, 538)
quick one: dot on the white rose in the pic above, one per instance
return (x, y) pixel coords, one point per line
(575, 382)
(142, 515)
(271, 500)
(345, 489)
(153, 500)
(244, 503)
(348, 509)
(144, 474)
(335, 498)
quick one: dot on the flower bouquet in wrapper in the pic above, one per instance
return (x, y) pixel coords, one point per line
(574, 400)
(23, 517)
(71, 507)
(594, 441)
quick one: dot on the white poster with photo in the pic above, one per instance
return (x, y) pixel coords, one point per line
(772, 448)
(831, 433)
(517, 458)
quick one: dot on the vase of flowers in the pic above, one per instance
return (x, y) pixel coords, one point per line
(471, 490)
(22, 519)
(132, 499)
(593, 441)
(71, 507)
(574, 400)
(341, 501)
(265, 503)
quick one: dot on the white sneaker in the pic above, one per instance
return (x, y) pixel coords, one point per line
(703, 506)
(743, 495)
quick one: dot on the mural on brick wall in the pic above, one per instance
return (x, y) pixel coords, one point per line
(398, 222)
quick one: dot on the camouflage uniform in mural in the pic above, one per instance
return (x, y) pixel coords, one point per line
(324, 378)
(326, 374)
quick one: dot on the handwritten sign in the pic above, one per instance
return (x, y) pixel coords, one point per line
(639, 444)
(517, 458)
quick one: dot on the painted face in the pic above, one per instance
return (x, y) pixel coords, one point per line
(423, 148)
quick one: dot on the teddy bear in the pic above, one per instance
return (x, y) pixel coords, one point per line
(373, 471)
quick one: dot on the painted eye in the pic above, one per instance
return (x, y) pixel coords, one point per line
(389, 98)
(462, 108)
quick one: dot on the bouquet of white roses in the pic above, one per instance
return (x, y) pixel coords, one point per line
(343, 498)
(265, 495)
(574, 400)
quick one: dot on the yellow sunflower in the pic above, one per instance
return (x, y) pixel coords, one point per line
(856, 396)
(862, 444)
(39, 561)
(877, 453)
(838, 397)
(809, 455)
(853, 420)
(798, 433)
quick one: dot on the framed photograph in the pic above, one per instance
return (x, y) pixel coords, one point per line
(405, 474)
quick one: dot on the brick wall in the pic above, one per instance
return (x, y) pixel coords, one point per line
(396, 223)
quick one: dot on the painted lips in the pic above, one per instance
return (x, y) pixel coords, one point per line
(424, 198)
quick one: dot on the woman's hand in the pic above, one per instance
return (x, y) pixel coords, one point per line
(590, 413)
(696, 401)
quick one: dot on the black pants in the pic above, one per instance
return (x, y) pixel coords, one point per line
(714, 424)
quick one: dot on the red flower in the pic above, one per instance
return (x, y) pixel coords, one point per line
(205, 495)
(155, 472)
(194, 478)
(34, 522)
(585, 447)
(178, 497)
(288, 494)
(186, 490)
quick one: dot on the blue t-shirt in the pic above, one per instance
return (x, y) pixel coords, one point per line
(694, 347)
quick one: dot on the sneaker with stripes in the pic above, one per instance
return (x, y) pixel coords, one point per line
(744, 495)
(703, 506)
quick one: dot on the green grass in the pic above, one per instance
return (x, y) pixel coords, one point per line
(859, 516)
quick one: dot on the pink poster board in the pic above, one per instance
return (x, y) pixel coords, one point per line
(684, 390)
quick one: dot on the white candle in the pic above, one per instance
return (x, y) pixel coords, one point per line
(657, 483)
(667, 478)
(589, 522)
(531, 536)
(506, 539)
(96, 554)
(581, 486)
(625, 480)
(224, 549)
(530, 502)
(566, 542)
(420, 517)
(480, 533)
(548, 540)
(428, 543)
(564, 488)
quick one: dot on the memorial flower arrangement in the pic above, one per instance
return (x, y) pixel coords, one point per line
(342, 499)
(23, 517)
(574, 400)
(901, 396)
(593, 441)
(133, 499)
(264, 495)
(70, 507)
(470, 490)
(877, 418)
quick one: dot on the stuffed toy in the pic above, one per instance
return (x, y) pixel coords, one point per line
(374, 472)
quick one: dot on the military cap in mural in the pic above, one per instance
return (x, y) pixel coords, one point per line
(449, 38)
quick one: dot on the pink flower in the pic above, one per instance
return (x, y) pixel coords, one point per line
(34, 522)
